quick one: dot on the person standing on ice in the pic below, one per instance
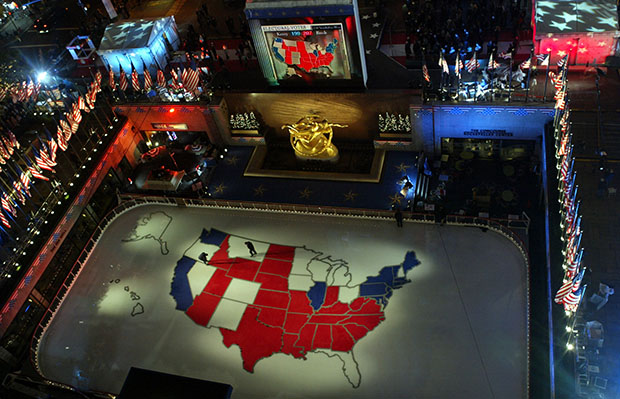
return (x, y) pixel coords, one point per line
(250, 247)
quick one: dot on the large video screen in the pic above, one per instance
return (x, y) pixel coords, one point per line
(315, 51)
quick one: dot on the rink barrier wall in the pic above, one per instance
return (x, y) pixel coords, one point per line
(127, 202)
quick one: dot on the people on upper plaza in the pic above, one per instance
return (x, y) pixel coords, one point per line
(433, 25)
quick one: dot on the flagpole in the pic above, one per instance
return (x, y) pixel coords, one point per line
(458, 75)
(63, 153)
(120, 69)
(529, 71)
(92, 128)
(19, 176)
(12, 189)
(68, 141)
(547, 77)
(510, 78)
(106, 99)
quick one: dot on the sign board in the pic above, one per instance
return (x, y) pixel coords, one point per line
(310, 51)
(169, 126)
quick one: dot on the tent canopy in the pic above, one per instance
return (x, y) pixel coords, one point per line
(135, 33)
(138, 41)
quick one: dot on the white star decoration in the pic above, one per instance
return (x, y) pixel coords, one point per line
(374, 36)
(608, 21)
(595, 30)
(365, 16)
(367, 51)
(376, 25)
(550, 4)
(559, 25)
(540, 12)
(569, 17)
(586, 7)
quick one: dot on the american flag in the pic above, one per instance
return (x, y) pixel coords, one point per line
(443, 64)
(571, 285)
(570, 219)
(543, 59)
(53, 147)
(30, 89)
(573, 260)
(562, 62)
(23, 92)
(36, 174)
(561, 101)
(19, 191)
(60, 139)
(505, 56)
(66, 128)
(95, 88)
(92, 96)
(184, 75)
(123, 79)
(45, 157)
(75, 112)
(572, 300)
(472, 64)
(425, 73)
(8, 145)
(552, 77)
(25, 182)
(135, 83)
(148, 82)
(81, 103)
(7, 205)
(98, 79)
(4, 220)
(565, 162)
(111, 79)
(14, 141)
(559, 86)
(458, 65)
(161, 79)
(566, 139)
(191, 80)
(526, 64)
(175, 79)
(492, 63)
(4, 153)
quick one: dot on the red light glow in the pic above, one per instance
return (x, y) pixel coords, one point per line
(171, 110)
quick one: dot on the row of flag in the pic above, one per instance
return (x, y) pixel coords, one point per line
(571, 291)
(473, 64)
(17, 179)
(21, 91)
(189, 79)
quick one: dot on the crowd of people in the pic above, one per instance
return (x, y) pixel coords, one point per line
(436, 25)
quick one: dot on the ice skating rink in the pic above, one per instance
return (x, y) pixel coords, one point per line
(456, 330)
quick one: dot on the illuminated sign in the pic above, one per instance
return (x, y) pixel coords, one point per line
(169, 126)
(487, 133)
(314, 51)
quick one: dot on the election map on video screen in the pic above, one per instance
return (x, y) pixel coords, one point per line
(317, 51)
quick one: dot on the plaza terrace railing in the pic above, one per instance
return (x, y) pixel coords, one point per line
(129, 201)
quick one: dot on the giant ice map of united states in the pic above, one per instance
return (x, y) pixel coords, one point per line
(285, 299)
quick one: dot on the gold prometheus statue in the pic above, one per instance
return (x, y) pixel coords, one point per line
(311, 137)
